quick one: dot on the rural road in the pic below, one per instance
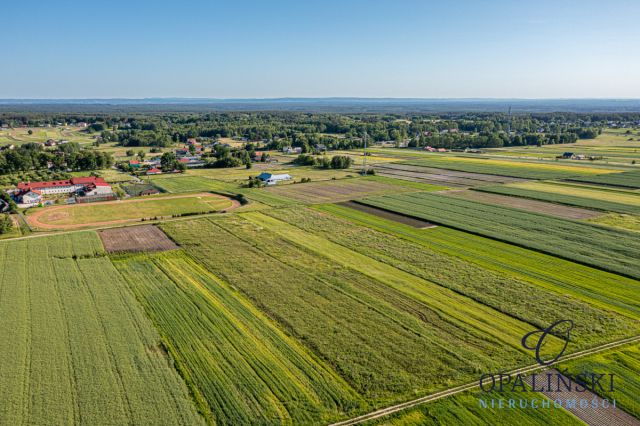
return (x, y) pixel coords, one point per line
(449, 392)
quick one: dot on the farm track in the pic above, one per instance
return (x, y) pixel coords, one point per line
(459, 389)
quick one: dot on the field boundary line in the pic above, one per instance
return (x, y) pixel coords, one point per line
(458, 389)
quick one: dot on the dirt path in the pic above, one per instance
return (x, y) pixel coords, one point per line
(453, 391)
(34, 219)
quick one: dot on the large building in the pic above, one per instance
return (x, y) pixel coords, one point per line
(271, 179)
(84, 186)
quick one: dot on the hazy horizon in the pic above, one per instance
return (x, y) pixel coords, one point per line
(370, 49)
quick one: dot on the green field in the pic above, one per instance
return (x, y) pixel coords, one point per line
(347, 189)
(339, 303)
(626, 180)
(178, 184)
(596, 287)
(506, 294)
(617, 220)
(520, 169)
(611, 195)
(239, 366)
(79, 350)
(21, 135)
(624, 364)
(184, 184)
(88, 214)
(464, 409)
(599, 203)
(606, 248)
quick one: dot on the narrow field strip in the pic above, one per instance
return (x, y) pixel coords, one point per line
(605, 248)
(596, 287)
(553, 194)
(519, 169)
(526, 204)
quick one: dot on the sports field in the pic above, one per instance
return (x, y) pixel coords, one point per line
(113, 212)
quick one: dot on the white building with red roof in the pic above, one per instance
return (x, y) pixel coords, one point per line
(85, 185)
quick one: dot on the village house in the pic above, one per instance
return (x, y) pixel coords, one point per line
(154, 171)
(290, 150)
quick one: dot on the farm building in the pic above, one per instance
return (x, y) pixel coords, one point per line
(30, 198)
(271, 179)
(84, 186)
(154, 171)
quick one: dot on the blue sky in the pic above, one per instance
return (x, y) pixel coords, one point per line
(277, 48)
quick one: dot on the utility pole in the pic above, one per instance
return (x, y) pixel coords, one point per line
(364, 156)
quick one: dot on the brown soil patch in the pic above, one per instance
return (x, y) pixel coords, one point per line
(385, 214)
(552, 209)
(435, 176)
(136, 238)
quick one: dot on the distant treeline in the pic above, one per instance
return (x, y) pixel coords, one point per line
(317, 131)
(64, 157)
